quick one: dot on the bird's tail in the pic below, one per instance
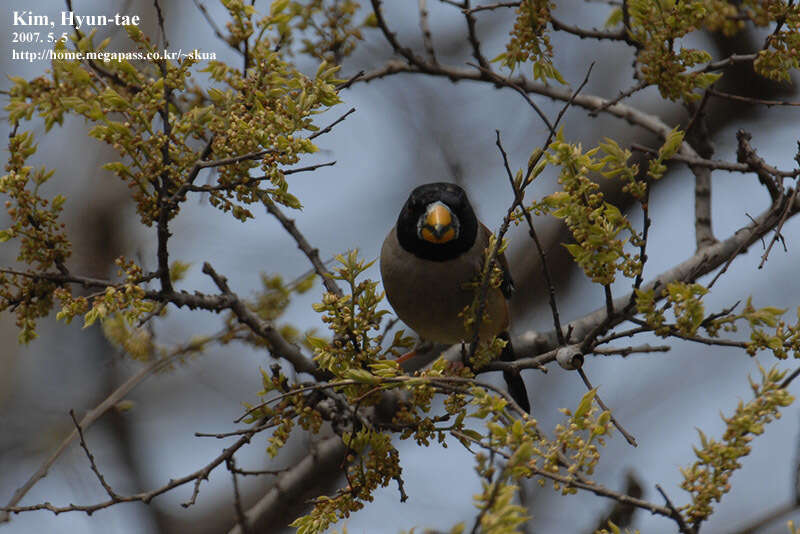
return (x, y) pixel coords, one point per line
(516, 386)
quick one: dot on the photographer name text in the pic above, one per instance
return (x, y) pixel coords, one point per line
(27, 18)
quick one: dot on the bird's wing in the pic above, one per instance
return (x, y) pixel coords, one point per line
(507, 286)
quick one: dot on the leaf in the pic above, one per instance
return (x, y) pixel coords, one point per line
(472, 434)
(112, 99)
(361, 375)
(671, 144)
(585, 405)
(277, 7)
(370, 21)
(178, 269)
(91, 317)
(317, 343)
(614, 18)
(58, 202)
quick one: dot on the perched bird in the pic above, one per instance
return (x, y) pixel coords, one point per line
(434, 251)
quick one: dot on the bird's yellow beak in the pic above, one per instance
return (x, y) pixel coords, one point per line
(438, 224)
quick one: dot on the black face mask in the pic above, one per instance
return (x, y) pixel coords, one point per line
(415, 207)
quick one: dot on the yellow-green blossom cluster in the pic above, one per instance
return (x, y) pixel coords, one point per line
(708, 479)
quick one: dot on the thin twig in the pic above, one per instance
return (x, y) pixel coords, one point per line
(489, 502)
(628, 437)
(472, 36)
(673, 331)
(778, 26)
(213, 25)
(491, 7)
(302, 243)
(626, 351)
(572, 481)
(699, 110)
(510, 83)
(161, 23)
(232, 433)
(751, 100)
(329, 127)
(675, 514)
(728, 61)
(350, 81)
(625, 333)
(767, 175)
(111, 493)
(622, 95)
(609, 300)
(252, 180)
(788, 380)
(697, 161)
(727, 264)
(235, 159)
(265, 329)
(83, 281)
(645, 204)
(427, 40)
(325, 457)
(583, 33)
(777, 235)
(91, 416)
(573, 99)
(145, 497)
(768, 517)
(518, 197)
(241, 520)
(391, 38)
(261, 472)
(529, 219)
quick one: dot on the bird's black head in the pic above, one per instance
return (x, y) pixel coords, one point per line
(437, 222)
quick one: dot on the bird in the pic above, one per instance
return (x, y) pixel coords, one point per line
(427, 262)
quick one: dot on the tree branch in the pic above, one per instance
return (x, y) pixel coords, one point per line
(593, 487)
(583, 33)
(324, 457)
(627, 435)
(302, 243)
(540, 349)
(145, 497)
(626, 351)
(91, 416)
(750, 100)
(229, 300)
(634, 116)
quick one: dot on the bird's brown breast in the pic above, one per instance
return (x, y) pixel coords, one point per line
(429, 295)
